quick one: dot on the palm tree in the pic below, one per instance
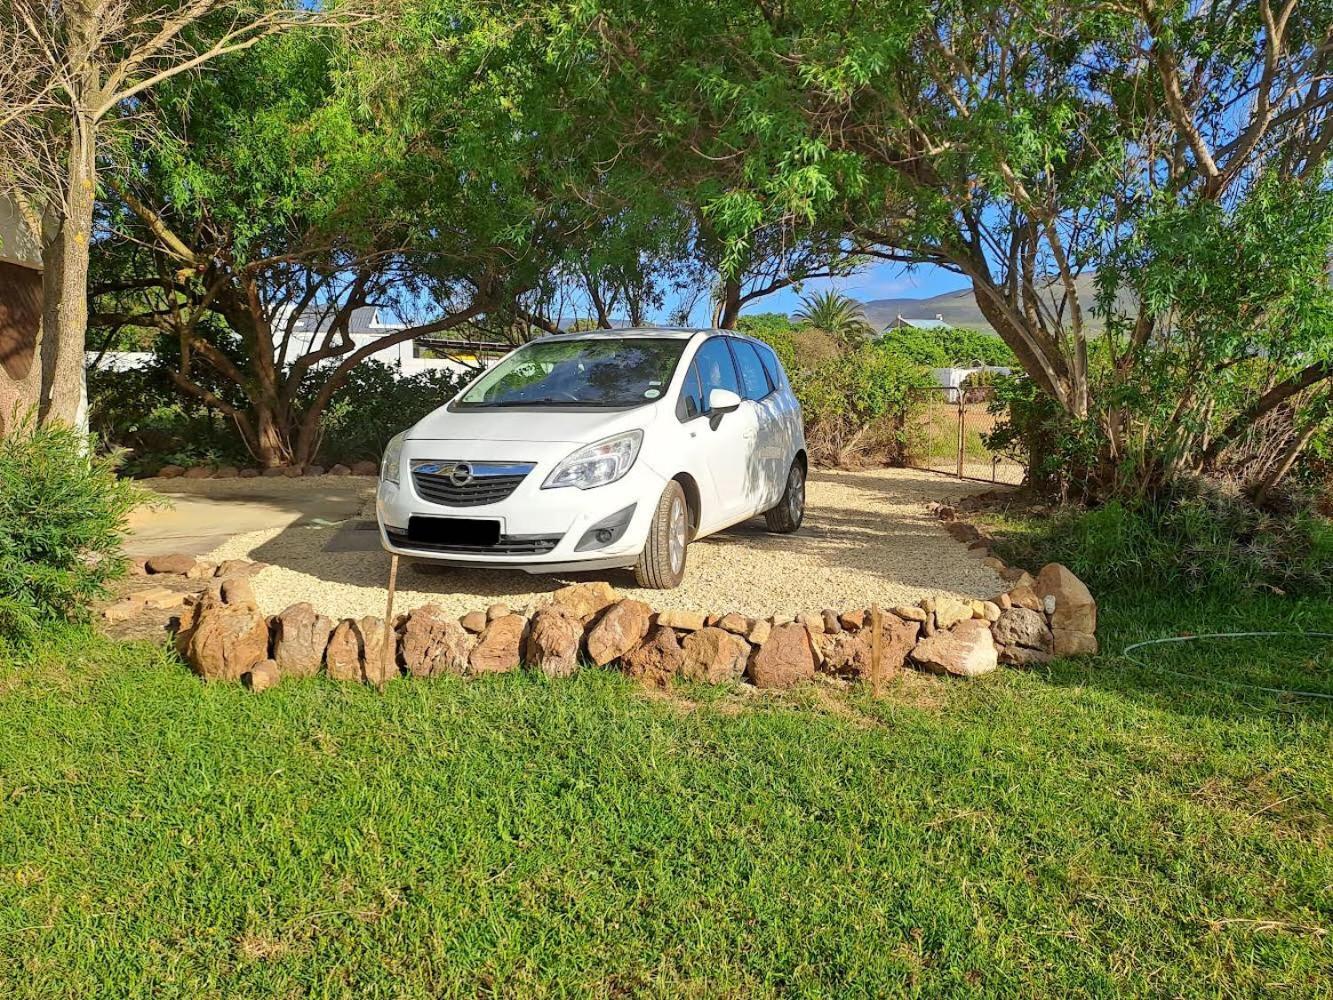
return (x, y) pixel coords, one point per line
(837, 315)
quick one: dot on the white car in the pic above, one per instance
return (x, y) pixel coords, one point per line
(599, 450)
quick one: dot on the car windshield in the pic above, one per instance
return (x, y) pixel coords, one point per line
(609, 372)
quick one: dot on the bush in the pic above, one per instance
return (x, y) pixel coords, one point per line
(62, 514)
(375, 404)
(1197, 538)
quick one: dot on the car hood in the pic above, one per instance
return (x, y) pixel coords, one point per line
(544, 425)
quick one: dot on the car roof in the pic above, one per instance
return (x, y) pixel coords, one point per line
(658, 332)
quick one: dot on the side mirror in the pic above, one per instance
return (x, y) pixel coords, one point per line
(722, 401)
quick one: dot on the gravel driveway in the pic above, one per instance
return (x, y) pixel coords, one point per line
(867, 537)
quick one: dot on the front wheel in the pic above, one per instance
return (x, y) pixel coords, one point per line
(787, 516)
(661, 565)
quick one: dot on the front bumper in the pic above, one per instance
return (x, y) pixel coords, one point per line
(541, 531)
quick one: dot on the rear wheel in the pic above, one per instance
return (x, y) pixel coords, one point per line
(787, 516)
(661, 565)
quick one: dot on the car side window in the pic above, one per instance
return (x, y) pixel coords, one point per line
(753, 376)
(691, 402)
(771, 365)
(716, 369)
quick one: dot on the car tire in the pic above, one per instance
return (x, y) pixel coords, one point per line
(661, 565)
(789, 513)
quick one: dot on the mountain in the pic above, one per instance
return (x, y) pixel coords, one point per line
(960, 308)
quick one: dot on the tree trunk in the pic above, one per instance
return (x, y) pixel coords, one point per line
(729, 308)
(65, 285)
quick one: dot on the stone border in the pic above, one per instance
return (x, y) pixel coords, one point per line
(362, 468)
(223, 636)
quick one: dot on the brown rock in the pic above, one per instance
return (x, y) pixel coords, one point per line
(1075, 610)
(293, 472)
(1020, 656)
(1071, 642)
(619, 631)
(237, 590)
(552, 645)
(853, 621)
(201, 570)
(340, 470)
(715, 656)
(238, 567)
(314, 470)
(962, 531)
(274, 472)
(786, 659)
(248, 474)
(170, 472)
(832, 624)
(197, 472)
(911, 614)
(356, 652)
(991, 562)
(498, 650)
(966, 650)
(434, 644)
(686, 621)
(812, 621)
(990, 611)
(1023, 596)
(1002, 601)
(160, 598)
(759, 632)
(949, 612)
(735, 623)
(262, 676)
(226, 641)
(583, 600)
(474, 622)
(849, 655)
(137, 566)
(121, 610)
(1022, 627)
(497, 611)
(656, 661)
(1012, 574)
(226, 472)
(300, 635)
(365, 468)
(175, 562)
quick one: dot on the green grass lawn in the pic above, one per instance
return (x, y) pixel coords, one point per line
(1094, 829)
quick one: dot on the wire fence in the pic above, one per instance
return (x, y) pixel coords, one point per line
(947, 433)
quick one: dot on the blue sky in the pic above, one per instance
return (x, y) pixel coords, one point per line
(879, 281)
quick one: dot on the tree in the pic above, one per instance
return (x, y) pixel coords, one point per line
(79, 71)
(1025, 147)
(837, 315)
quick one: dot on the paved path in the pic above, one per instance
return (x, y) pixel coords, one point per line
(202, 514)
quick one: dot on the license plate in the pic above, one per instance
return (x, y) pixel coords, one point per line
(453, 530)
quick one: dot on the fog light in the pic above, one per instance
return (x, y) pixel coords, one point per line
(607, 530)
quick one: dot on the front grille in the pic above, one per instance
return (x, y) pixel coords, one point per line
(508, 545)
(467, 484)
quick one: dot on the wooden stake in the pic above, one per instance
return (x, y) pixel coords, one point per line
(876, 657)
(387, 659)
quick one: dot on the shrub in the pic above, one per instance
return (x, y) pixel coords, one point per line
(375, 404)
(62, 514)
(1196, 538)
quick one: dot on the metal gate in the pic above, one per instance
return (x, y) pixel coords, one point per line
(946, 432)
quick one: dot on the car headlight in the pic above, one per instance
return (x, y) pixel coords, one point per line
(597, 464)
(392, 464)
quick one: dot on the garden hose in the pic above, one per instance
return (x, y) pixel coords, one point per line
(1228, 635)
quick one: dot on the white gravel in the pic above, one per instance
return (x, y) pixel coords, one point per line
(867, 537)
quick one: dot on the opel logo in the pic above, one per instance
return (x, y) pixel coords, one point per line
(460, 474)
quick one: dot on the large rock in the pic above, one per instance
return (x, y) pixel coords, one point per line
(340, 470)
(175, 562)
(966, 650)
(1072, 642)
(657, 660)
(300, 635)
(553, 641)
(1075, 610)
(197, 472)
(434, 644)
(239, 567)
(262, 676)
(226, 641)
(620, 630)
(356, 652)
(734, 622)
(1021, 656)
(787, 658)
(237, 590)
(1022, 627)
(365, 467)
(1023, 596)
(715, 656)
(686, 621)
(583, 600)
(950, 611)
(170, 471)
(474, 622)
(851, 655)
(500, 646)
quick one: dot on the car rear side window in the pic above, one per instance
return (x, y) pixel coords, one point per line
(753, 376)
(771, 365)
(691, 403)
(716, 369)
